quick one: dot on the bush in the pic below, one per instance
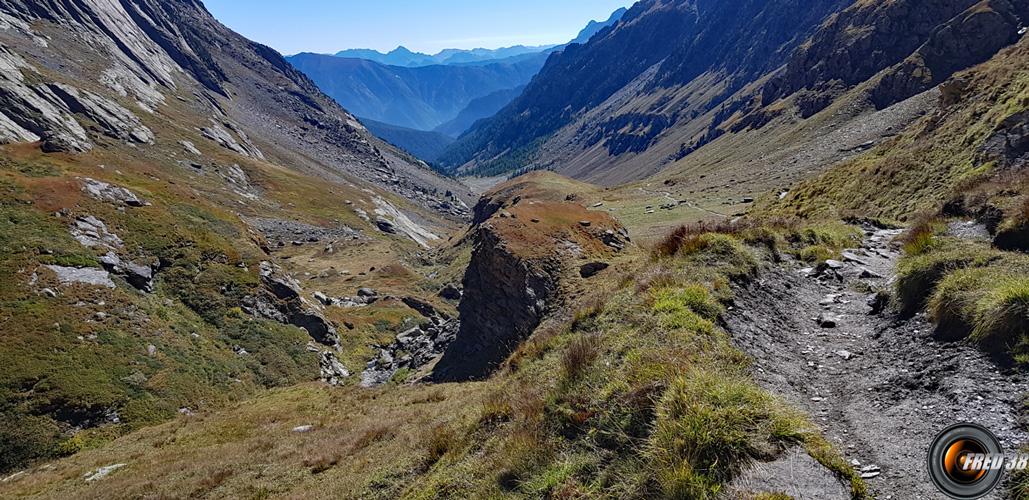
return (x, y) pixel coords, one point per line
(496, 408)
(921, 237)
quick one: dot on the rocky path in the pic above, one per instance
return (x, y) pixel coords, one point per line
(879, 387)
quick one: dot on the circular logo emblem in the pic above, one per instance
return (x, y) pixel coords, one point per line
(961, 461)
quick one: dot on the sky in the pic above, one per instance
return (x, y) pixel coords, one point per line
(328, 26)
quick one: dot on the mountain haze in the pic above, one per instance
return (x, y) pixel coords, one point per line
(420, 98)
(401, 56)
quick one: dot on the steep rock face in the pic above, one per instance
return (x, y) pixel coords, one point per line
(32, 112)
(526, 243)
(927, 41)
(507, 297)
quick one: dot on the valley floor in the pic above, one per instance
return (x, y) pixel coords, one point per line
(879, 387)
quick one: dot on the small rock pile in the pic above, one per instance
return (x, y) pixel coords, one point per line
(414, 348)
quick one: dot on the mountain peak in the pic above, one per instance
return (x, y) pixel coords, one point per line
(595, 27)
(403, 50)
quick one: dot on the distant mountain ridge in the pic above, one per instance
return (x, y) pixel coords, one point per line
(427, 145)
(403, 92)
(402, 56)
(420, 98)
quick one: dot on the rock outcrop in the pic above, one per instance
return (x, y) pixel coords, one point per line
(32, 112)
(114, 194)
(115, 120)
(506, 298)
(282, 301)
(524, 246)
(92, 232)
(1008, 145)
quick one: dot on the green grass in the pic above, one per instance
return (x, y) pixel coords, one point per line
(709, 425)
(988, 305)
(970, 291)
(653, 400)
(919, 274)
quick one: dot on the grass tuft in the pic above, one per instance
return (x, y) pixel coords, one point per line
(709, 425)
(578, 357)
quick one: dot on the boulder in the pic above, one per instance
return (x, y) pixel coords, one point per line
(592, 269)
(332, 370)
(826, 320)
(450, 292)
(92, 232)
(84, 276)
(140, 276)
(106, 192)
(386, 226)
(324, 299)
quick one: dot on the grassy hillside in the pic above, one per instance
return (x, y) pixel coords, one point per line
(941, 157)
(629, 390)
(89, 363)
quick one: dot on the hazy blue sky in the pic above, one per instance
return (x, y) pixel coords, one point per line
(422, 25)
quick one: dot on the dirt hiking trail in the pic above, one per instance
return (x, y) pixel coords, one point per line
(879, 386)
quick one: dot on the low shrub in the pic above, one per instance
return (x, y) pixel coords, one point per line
(921, 236)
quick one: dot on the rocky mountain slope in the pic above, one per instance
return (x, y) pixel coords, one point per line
(140, 52)
(713, 75)
(421, 98)
(172, 198)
